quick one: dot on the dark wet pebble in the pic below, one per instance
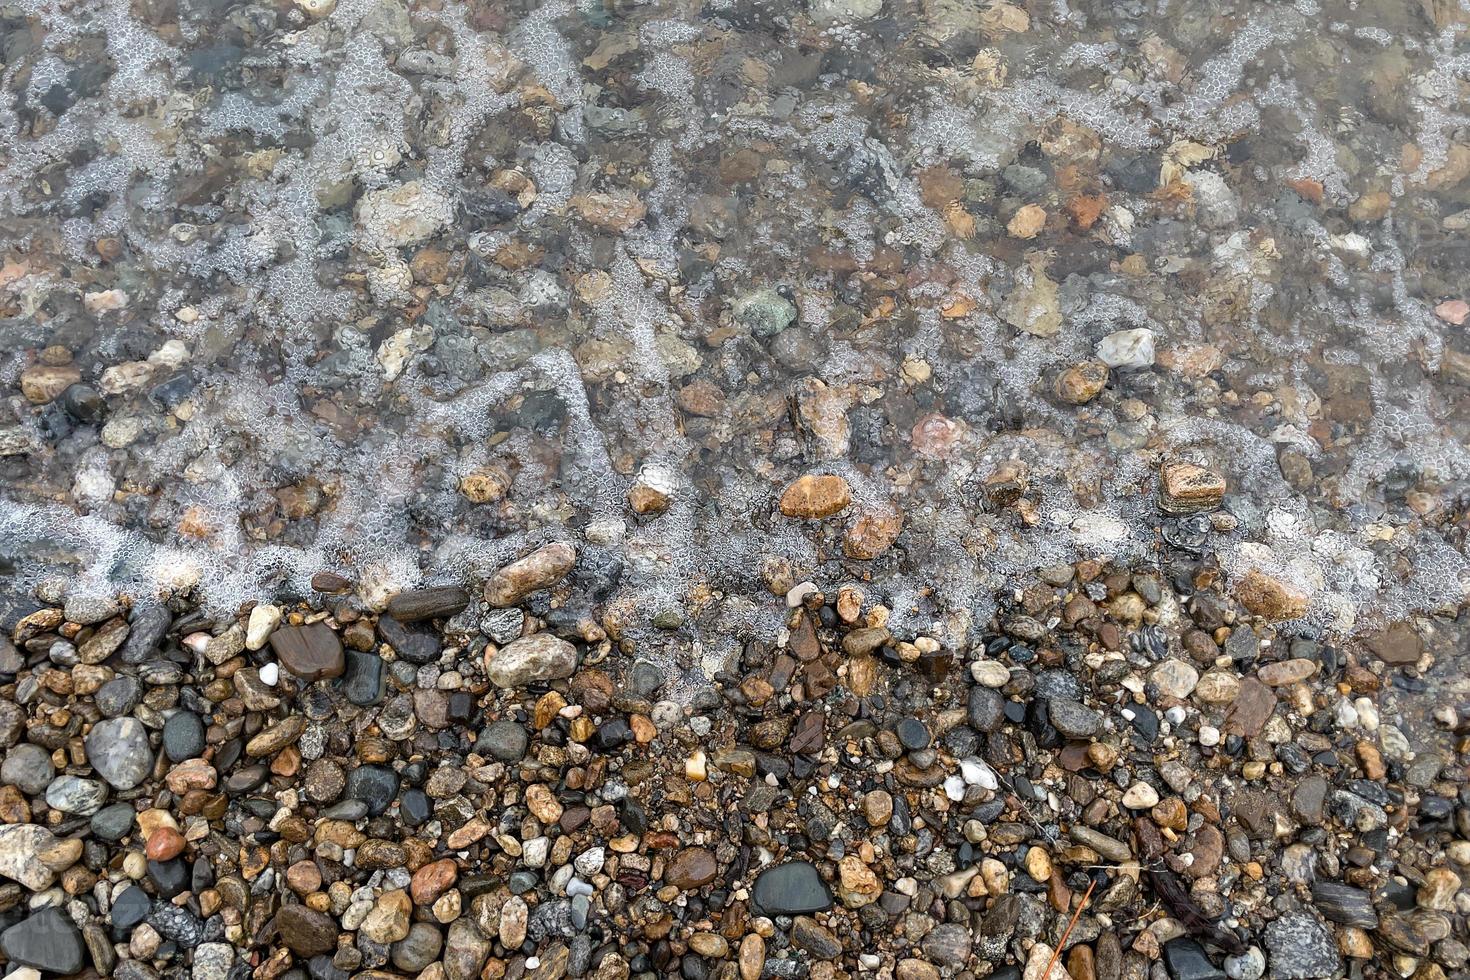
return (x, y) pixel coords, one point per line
(1186, 960)
(47, 940)
(374, 785)
(793, 888)
(505, 740)
(415, 644)
(364, 678)
(183, 736)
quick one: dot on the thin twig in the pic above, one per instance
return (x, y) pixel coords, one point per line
(1046, 974)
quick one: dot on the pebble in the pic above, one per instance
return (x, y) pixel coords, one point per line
(531, 659)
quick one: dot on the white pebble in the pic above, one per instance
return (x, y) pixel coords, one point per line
(1175, 715)
(954, 788)
(798, 593)
(976, 773)
(1209, 735)
(269, 674)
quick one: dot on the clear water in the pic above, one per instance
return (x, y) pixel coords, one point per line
(329, 265)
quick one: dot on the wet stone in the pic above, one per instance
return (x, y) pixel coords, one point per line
(1186, 960)
(414, 644)
(374, 785)
(364, 677)
(439, 602)
(310, 652)
(1344, 904)
(118, 749)
(530, 659)
(130, 908)
(73, 794)
(183, 736)
(47, 940)
(505, 740)
(794, 888)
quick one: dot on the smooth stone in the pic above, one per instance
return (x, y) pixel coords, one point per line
(310, 652)
(794, 888)
(1073, 718)
(73, 794)
(539, 570)
(435, 602)
(365, 678)
(130, 908)
(1186, 960)
(118, 749)
(29, 767)
(417, 645)
(418, 949)
(540, 657)
(48, 940)
(113, 822)
(505, 740)
(374, 785)
(183, 736)
(171, 877)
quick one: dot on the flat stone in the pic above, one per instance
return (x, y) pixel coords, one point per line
(1251, 708)
(1187, 960)
(1284, 672)
(1344, 904)
(47, 940)
(305, 931)
(539, 657)
(1270, 598)
(418, 949)
(541, 569)
(1185, 488)
(104, 642)
(437, 602)
(691, 868)
(310, 652)
(793, 888)
(1397, 645)
(815, 496)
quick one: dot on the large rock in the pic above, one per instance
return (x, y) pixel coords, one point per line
(118, 749)
(541, 569)
(49, 940)
(540, 657)
(21, 845)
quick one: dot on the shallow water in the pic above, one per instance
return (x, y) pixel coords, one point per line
(402, 290)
